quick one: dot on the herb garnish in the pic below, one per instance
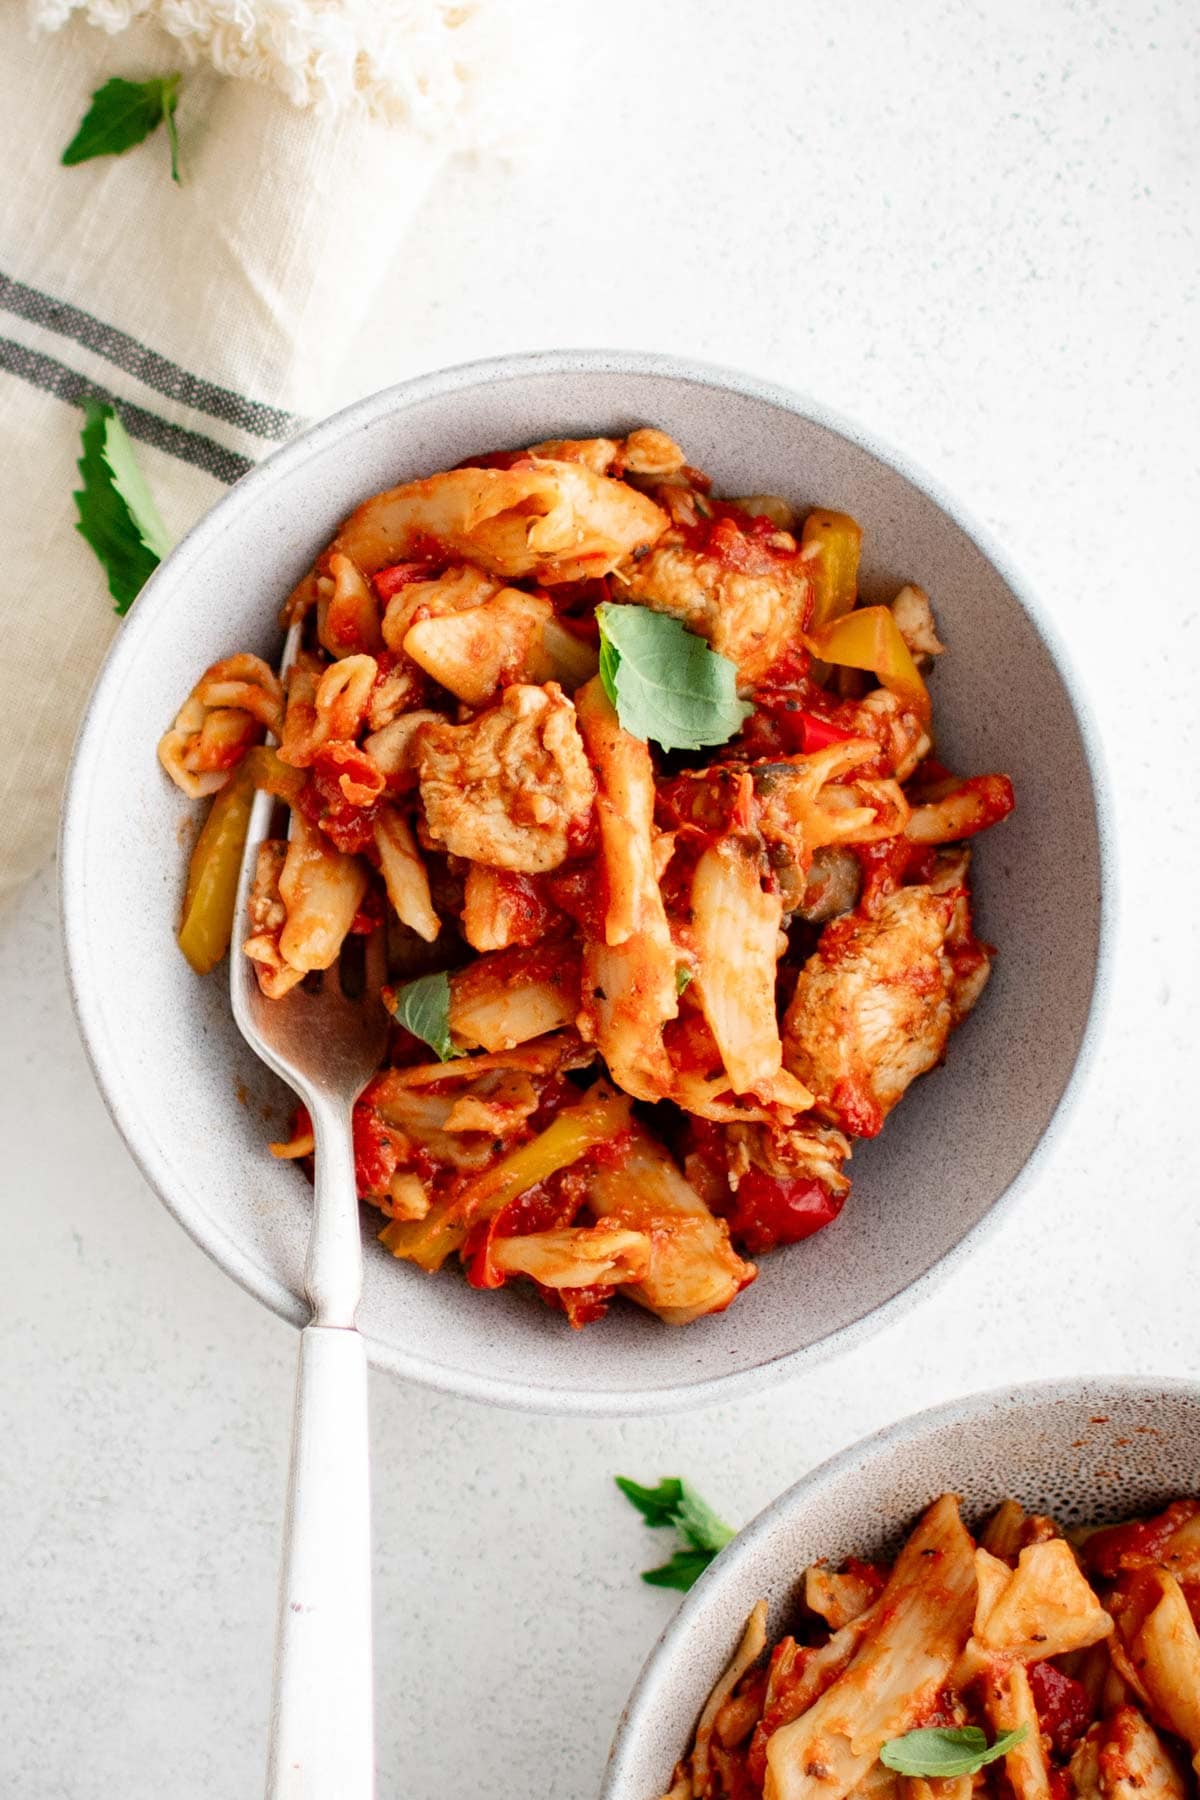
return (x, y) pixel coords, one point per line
(117, 514)
(674, 1503)
(665, 682)
(423, 1007)
(124, 113)
(947, 1750)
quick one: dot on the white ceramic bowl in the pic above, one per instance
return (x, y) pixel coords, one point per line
(194, 1104)
(1083, 1451)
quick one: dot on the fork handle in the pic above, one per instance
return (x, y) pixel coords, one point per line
(322, 1710)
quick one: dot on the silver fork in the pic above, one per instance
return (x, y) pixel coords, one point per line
(326, 1046)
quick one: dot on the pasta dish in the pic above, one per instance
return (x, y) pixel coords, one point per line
(1028, 1664)
(645, 800)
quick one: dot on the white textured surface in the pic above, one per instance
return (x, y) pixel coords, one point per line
(973, 227)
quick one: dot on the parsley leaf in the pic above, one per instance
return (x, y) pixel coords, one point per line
(683, 977)
(700, 1524)
(683, 1571)
(674, 1503)
(423, 1007)
(124, 113)
(947, 1750)
(117, 514)
(657, 1505)
(665, 682)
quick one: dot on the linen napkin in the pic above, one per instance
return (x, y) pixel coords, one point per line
(215, 313)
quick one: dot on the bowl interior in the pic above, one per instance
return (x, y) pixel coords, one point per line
(197, 1108)
(1081, 1451)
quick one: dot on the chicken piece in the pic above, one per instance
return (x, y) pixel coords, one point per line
(914, 616)
(873, 1008)
(806, 1150)
(751, 606)
(268, 916)
(970, 960)
(643, 452)
(694, 1269)
(398, 690)
(1134, 1763)
(807, 802)
(507, 787)
(456, 590)
(902, 735)
(554, 521)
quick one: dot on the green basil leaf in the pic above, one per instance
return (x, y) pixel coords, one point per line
(124, 113)
(947, 1750)
(106, 519)
(423, 1007)
(666, 683)
(130, 483)
(683, 1571)
(657, 1505)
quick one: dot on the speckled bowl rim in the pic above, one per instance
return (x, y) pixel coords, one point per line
(644, 1706)
(279, 468)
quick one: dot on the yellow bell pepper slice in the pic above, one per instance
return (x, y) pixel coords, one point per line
(570, 1135)
(869, 638)
(428, 1241)
(268, 771)
(597, 1119)
(213, 874)
(833, 569)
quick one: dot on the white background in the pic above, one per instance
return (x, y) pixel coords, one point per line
(973, 227)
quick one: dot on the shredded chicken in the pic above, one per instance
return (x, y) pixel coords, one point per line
(751, 616)
(873, 1008)
(555, 521)
(507, 787)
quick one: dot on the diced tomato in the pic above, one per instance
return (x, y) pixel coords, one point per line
(524, 905)
(581, 891)
(333, 797)
(738, 540)
(377, 1150)
(857, 1109)
(582, 1306)
(889, 864)
(817, 734)
(1137, 1544)
(1063, 1708)
(389, 581)
(770, 1210)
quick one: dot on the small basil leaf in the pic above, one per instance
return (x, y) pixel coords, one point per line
(666, 683)
(124, 113)
(106, 520)
(423, 1007)
(947, 1750)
